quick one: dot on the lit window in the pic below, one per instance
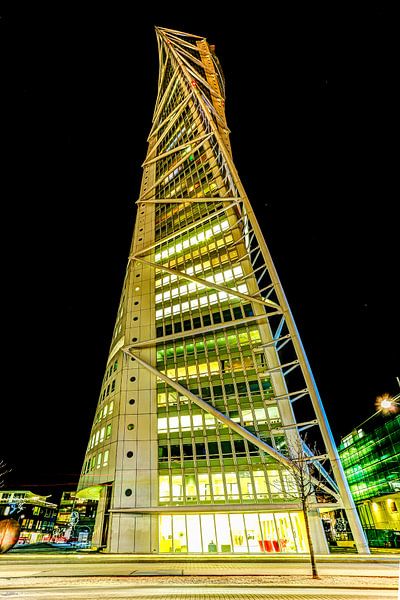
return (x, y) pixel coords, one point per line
(164, 488)
(108, 431)
(105, 459)
(174, 423)
(274, 481)
(111, 407)
(99, 460)
(102, 433)
(273, 414)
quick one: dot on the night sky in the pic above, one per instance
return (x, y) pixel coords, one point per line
(311, 108)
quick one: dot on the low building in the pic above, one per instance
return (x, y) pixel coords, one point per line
(75, 519)
(33, 512)
(371, 460)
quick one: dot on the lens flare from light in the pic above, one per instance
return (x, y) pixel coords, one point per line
(386, 404)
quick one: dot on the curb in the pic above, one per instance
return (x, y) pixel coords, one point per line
(221, 585)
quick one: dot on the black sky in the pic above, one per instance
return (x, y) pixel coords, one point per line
(311, 108)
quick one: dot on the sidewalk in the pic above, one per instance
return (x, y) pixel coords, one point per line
(373, 572)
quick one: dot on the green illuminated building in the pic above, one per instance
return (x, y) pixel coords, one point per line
(207, 382)
(371, 460)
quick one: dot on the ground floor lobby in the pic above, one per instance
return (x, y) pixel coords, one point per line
(233, 533)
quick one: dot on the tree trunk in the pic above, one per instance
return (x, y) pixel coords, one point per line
(310, 544)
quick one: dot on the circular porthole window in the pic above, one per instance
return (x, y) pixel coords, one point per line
(132, 401)
(128, 492)
(133, 378)
(129, 454)
(131, 426)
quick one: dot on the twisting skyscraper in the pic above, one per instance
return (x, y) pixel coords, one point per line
(207, 384)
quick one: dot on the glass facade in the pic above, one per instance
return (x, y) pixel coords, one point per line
(233, 532)
(371, 458)
(201, 461)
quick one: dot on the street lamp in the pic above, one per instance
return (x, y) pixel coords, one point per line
(387, 404)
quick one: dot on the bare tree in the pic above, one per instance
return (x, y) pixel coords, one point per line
(3, 472)
(303, 478)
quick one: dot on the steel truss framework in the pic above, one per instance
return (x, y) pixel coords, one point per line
(198, 243)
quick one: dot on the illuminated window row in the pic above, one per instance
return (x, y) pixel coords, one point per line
(166, 164)
(180, 449)
(191, 179)
(105, 411)
(182, 131)
(204, 320)
(108, 389)
(212, 367)
(100, 435)
(230, 340)
(193, 422)
(207, 448)
(169, 452)
(211, 257)
(171, 218)
(96, 461)
(192, 241)
(207, 249)
(201, 370)
(188, 288)
(208, 299)
(217, 276)
(113, 367)
(226, 486)
(238, 391)
(234, 532)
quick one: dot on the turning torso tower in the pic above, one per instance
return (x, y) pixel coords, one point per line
(207, 385)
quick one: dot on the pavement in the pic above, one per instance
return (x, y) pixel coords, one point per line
(20, 572)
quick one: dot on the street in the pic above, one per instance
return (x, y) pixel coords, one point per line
(75, 576)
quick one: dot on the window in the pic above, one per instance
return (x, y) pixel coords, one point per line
(105, 459)
(99, 460)
(108, 431)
